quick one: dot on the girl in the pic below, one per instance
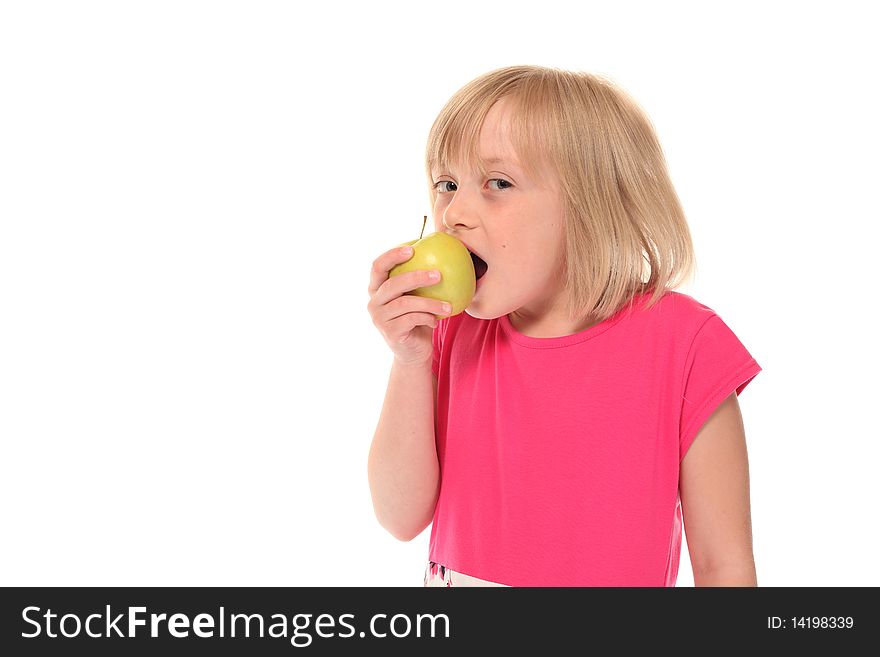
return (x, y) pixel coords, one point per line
(555, 432)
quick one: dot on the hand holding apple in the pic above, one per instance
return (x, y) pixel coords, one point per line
(406, 324)
(451, 257)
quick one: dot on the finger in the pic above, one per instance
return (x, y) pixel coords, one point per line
(384, 264)
(401, 327)
(408, 304)
(398, 286)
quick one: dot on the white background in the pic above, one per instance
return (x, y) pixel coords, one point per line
(192, 194)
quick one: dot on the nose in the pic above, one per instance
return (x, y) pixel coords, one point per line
(459, 212)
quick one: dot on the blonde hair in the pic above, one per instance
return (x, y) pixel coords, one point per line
(621, 210)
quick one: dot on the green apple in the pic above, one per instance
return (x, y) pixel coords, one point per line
(451, 257)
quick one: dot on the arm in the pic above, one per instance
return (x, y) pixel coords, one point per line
(714, 490)
(403, 469)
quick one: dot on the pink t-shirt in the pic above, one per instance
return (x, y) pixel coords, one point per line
(559, 457)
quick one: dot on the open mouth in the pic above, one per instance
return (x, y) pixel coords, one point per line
(480, 266)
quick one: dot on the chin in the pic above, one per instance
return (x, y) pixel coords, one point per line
(477, 315)
(483, 313)
(479, 308)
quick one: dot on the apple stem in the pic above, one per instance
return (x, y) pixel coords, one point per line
(423, 227)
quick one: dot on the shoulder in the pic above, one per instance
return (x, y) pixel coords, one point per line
(678, 312)
(684, 305)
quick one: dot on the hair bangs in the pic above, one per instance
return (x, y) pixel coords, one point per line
(455, 137)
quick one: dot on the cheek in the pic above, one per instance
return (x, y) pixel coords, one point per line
(534, 257)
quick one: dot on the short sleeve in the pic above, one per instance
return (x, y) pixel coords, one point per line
(717, 365)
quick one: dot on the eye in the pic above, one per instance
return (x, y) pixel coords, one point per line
(501, 180)
(442, 182)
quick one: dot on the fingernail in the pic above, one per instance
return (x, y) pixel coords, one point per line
(434, 275)
(447, 308)
(407, 250)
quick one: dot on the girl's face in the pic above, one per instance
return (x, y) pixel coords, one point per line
(515, 225)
